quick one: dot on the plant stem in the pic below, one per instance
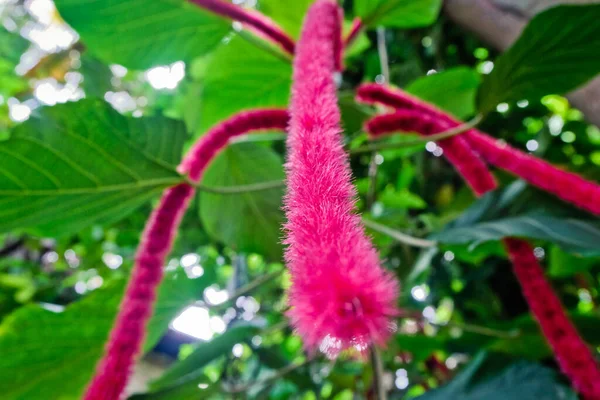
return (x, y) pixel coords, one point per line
(378, 374)
(249, 287)
(279, 374)
(399, 236)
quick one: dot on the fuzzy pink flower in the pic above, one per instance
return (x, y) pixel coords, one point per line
(341, 297)
(127, 335)
(565, 185)
(216, 139)
(572, 354)
(257, 22)
(456, 149)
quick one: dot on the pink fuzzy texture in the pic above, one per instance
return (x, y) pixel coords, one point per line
(355, 30)
(456, 148)
(216, 139)
(341, 297)
(127, 335)
(257, 22)
(565, 185)
(572, 354)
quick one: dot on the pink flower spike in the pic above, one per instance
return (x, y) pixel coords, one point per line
(355, 30)
(564, 185)
(571, 352)
(257, 22)
(456, 149)
(376, 94)
(127, 335)
(216, 139)
(340, 297)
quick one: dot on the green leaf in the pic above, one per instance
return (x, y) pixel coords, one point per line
(55, 353)
(492, 218)
(12, 45)
(491, 379)
(83, 163)
(453, 90)
(96, 76)
(240, 76)
(190, 368)
(556, 53)
(398, 13)
(562, 264)
(290, 16)
(251, 221)
(578, 236)
(140, 34)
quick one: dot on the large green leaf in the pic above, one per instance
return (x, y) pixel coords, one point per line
(556, 53)
(578, 236)
(487, 378)
(190, 368)
(498, 214)
(398, 13)
(453, 90)
(55, 353)
(241, 76)
(289, 16)
(82, 163)
(140, 34)
(12, 45)
(251, 221)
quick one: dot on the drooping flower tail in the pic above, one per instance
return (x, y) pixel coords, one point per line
(341, 297)
(565, 185)
(216, 139)
(127, 335)
(256, 21)
(572, 354)
(456, 149)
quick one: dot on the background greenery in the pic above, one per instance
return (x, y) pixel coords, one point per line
(79, 176)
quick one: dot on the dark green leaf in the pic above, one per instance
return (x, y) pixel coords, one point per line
(55, 353)
(562, 264)
(96, 76)
(452, 90)
(491, 379)
(556, 53)
(241, 76)
(251, 221)
(398, 13)
(190, 368)
(82, 163)
(140, 34)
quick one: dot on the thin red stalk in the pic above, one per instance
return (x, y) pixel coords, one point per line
(259, 23)
(355, 30)
(127, 335)
(571, 352)
(340, 295)
(573, 356)
(456, 149)
(338, 45)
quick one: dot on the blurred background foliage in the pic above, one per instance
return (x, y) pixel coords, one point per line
(142, 80)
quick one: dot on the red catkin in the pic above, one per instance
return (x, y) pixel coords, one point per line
(127, 335)
(260, 24)
(565, 185)
(456, 149)
(340, 296)
(572, 354)
(216, 139)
